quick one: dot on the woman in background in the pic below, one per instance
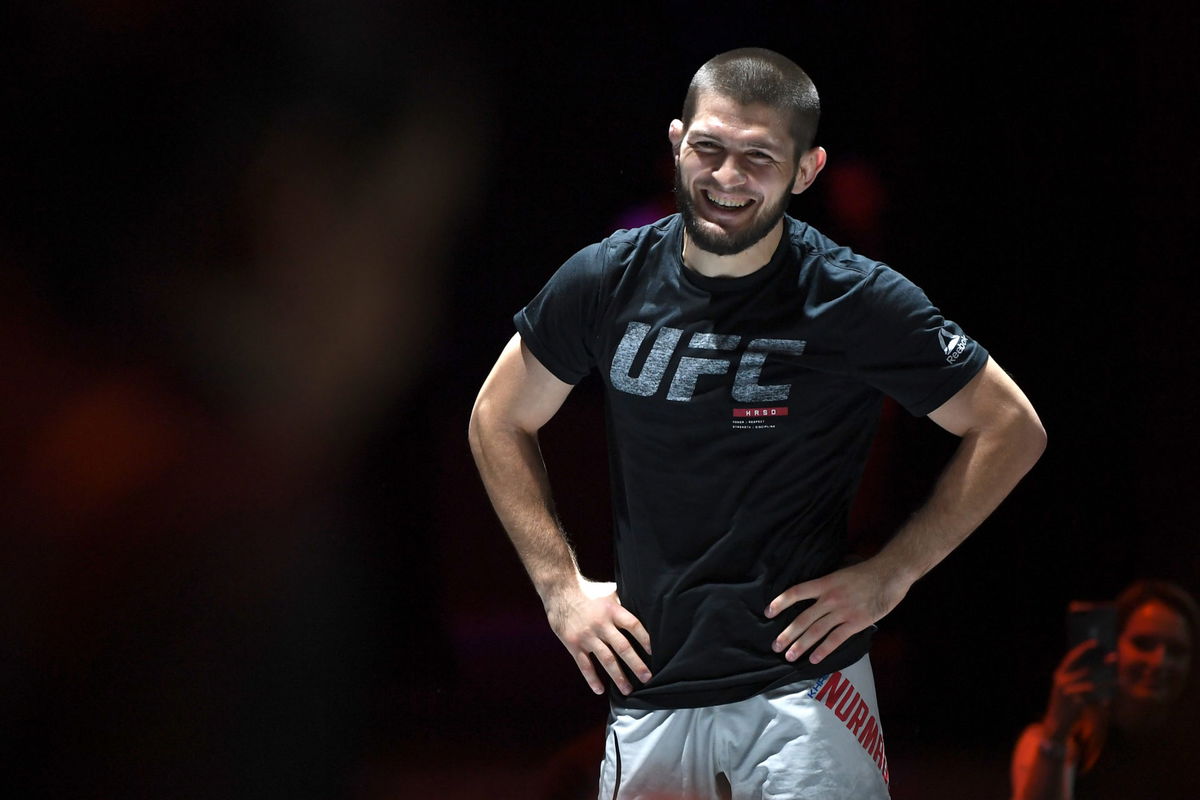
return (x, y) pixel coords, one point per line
(1134, 739)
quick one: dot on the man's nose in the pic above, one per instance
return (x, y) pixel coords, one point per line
(729, 173)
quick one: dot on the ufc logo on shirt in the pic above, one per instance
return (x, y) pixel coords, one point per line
(710, 359)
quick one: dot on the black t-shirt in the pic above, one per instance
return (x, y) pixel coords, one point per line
(740, 412)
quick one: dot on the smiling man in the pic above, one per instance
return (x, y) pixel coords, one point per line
(744, 358)
(734, 206)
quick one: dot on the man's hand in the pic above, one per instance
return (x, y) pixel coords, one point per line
(847, 601)
(588, 619)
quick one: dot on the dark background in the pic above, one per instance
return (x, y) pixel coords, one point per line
(255, 264)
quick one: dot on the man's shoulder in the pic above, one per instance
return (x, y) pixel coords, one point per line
(626, 249)
(629, 240)
(603, 262)
(829, 272)
(819, 253)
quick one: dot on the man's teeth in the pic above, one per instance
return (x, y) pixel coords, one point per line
(727, 203)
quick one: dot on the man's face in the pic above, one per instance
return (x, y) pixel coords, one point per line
(734, 173)
(1154, 654)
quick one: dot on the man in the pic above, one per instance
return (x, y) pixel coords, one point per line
(744, 357)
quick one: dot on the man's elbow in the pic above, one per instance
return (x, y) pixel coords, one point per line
(476, 427)
(491, 424)
(1028, 434)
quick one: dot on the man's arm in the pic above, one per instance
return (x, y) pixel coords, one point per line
(1002, 438)
(517, 399)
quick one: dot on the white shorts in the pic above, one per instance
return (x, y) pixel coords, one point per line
(817, 739)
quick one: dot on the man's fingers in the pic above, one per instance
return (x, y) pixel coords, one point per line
(594, 632)
(614, 637)
(809, 590)
(830, 629)
(608, 659)
(609, 654)
(799, 627)
(625, 651)
(584, 662)
(629, 622)
(814, 634)
(832, 642)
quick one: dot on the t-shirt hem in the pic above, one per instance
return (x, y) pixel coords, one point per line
(951, 386)
(722, 695)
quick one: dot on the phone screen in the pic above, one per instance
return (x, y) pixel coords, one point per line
(1098, 621)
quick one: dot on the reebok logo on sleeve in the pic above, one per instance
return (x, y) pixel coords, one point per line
(952, 344)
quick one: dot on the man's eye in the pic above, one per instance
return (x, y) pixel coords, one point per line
(760, 156)
(704, 147)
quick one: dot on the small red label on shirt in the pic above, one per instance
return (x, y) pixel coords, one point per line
(760, 412)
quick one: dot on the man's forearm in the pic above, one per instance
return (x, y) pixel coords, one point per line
(983, 470)
(517, 399)
(514, 474)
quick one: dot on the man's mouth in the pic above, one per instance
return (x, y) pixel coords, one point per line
(726, 203)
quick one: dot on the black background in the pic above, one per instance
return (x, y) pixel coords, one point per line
(340, 615)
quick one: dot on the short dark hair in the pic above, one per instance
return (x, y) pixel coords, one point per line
(1170, 594)
(751, 75)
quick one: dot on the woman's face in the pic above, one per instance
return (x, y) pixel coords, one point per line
(1154, 654)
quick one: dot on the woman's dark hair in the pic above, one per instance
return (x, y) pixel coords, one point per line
(1175, 597)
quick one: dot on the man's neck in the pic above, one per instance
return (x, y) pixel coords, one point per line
(752, 259)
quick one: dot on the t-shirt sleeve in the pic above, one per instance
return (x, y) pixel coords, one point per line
(558, 324)
(903, 346)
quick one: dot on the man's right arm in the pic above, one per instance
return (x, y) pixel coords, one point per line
(520, 396)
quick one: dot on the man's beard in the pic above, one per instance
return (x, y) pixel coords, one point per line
(724, 244)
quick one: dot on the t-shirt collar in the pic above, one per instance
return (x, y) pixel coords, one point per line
(710, 284)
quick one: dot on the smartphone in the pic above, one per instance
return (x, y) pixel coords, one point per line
(1095, 620)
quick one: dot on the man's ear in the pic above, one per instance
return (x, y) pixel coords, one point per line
(675, 134)
(811, 164)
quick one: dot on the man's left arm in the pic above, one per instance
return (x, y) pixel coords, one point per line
(1002, 438)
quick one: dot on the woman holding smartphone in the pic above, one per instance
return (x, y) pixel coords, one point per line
(1114, 725)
